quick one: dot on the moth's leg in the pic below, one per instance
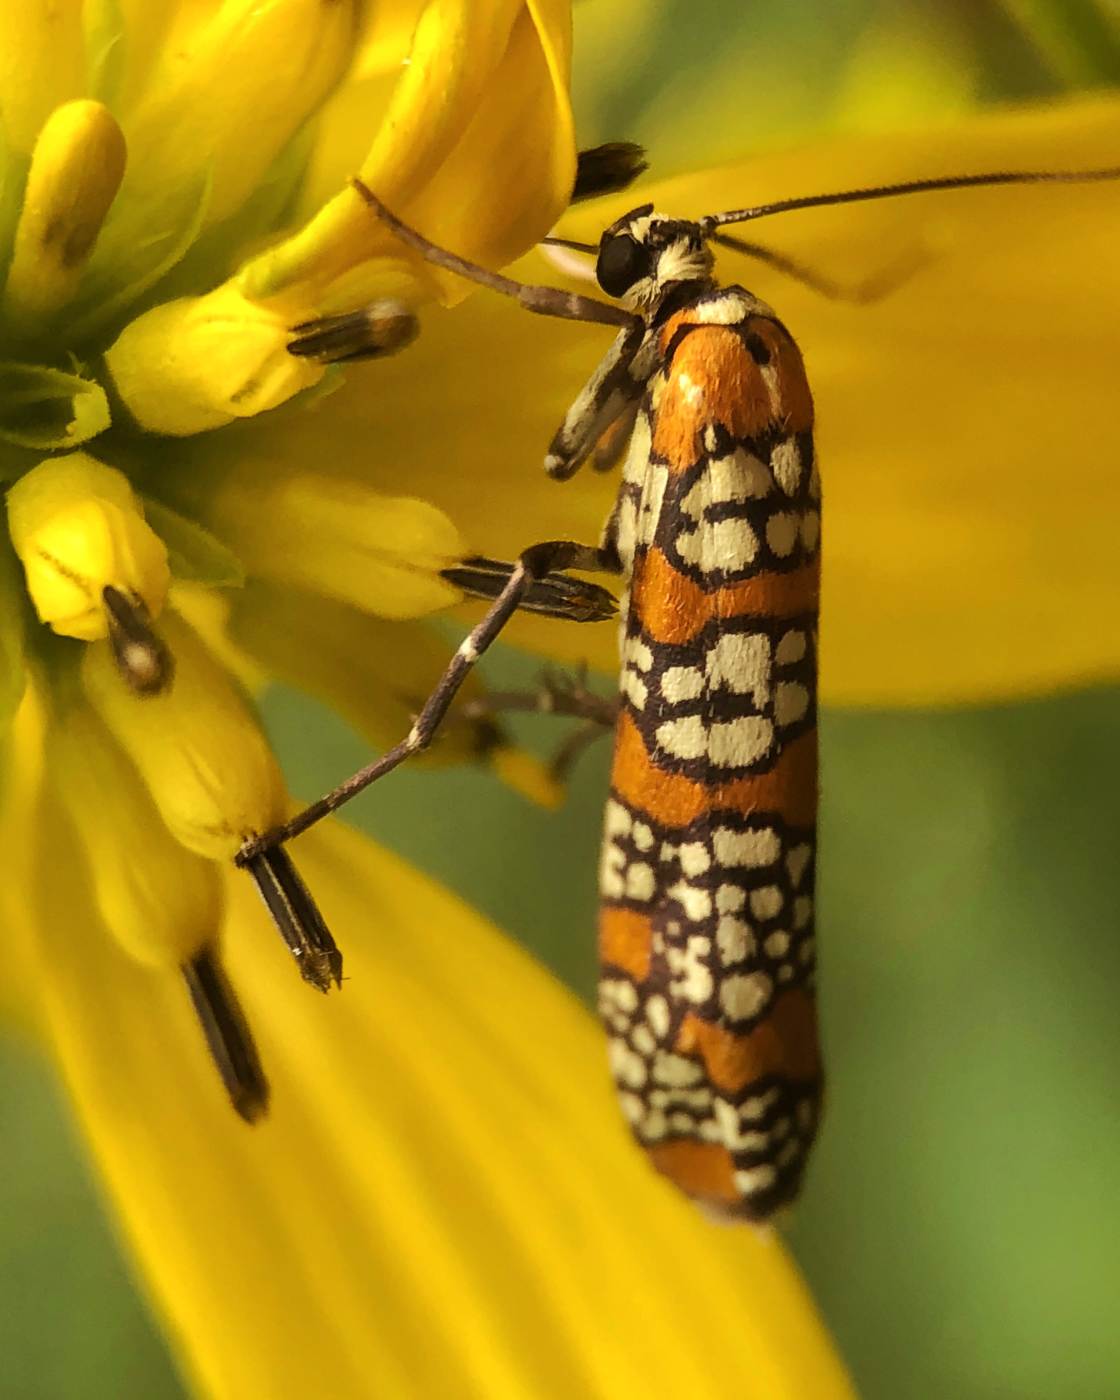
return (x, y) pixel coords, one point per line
(556, 693)
(537, 562)
(563, 695)
(607, 404)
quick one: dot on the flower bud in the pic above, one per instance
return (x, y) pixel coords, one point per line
(161, 902)
(78, 529)
(197, 745)
(75, 173)
(200, 362)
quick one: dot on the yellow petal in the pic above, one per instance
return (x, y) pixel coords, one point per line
(78, 528)
(42, 64)
(443, 1200)
(231, 91)
(160, 902)
(197, 745)
(300, 524)
(965, 428)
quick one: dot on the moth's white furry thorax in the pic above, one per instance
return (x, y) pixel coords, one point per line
(682, 260)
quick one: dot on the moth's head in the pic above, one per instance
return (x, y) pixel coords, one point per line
(643, 254)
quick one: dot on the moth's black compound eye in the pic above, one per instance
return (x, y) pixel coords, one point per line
(622, 262)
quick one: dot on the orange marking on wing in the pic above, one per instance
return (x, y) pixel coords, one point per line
(702, 1169)
(625, 940)
(790, 787)
(712, 379)
(784, 1043)
(673, 609)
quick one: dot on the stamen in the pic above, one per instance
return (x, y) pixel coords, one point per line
(296, 915)
(379, 329)
(227, 1035)
(608, 168)
(555, 595)
(142, 658)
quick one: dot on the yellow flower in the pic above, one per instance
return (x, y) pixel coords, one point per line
(440, 1193)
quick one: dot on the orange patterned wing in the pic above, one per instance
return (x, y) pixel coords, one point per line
(706, 931)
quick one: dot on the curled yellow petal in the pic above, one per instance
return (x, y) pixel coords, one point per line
(76, 170)
(482, 82)
(201, 362)
(443, 1195)
(78, 528)
(197, 745)
(161, 903)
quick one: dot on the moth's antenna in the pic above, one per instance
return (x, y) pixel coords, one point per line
(871, 289)
(553, 242)
(545, 301)
(942, 182)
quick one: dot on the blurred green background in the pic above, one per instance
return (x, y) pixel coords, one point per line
(960, 1227)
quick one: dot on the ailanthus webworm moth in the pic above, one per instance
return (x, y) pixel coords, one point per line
(706, 881)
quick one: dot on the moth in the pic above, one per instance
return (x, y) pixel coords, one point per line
(706, 927)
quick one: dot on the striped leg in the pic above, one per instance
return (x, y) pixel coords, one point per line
(535, 563)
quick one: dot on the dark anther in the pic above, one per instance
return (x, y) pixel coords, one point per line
(379, 329)
(227, 1035)
(555, 595)
(605, 169)
(142, 658)
(297, 916)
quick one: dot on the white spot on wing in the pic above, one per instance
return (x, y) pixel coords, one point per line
(766, 901)
(785, 458)
(791, 702)
(727, 546)
(680, 683)
(683, 738)
(796, 861)
(694, 858)
(640, 882)
(781, 533)
(734, 940)
(740, 662)
(742, 996)
(757, 846)
(791, 648)
(741, 742)
(696, 902)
